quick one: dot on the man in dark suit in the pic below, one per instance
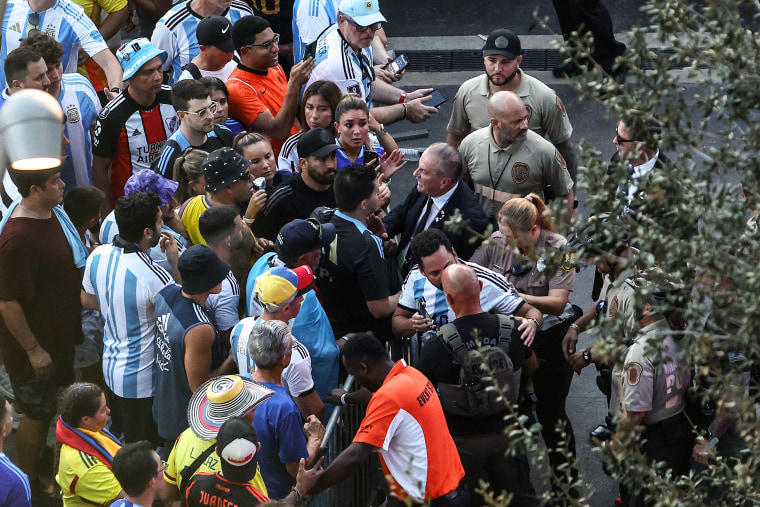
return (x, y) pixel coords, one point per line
(434, 200)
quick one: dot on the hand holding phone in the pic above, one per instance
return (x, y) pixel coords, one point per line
(397, 65)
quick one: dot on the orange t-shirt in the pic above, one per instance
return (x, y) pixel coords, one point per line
(405, 422)
(252, 93)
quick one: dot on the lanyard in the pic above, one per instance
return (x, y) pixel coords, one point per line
(494, 183)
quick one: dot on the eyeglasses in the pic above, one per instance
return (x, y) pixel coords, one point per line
(361, 29)
(33, 20)
(620, 138)
(205, 112)
(162, 469)
(268, 45)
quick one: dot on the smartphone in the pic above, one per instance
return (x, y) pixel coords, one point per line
(421, 308)
(260, 183)
(397, 65)
(437, 99)
(310, 50)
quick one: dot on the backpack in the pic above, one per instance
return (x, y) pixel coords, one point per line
(477, 394)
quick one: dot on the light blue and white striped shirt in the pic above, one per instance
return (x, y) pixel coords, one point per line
(65, 21)
(126, 285)
(109, 229)
(175, 34)
(296, 377)
(81, 106)
(310, 18)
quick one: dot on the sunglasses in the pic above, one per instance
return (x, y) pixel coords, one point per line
(361, 29)
(33, 22)
(620, 138)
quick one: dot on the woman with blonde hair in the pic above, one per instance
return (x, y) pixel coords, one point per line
(188, 171)
(529, 252)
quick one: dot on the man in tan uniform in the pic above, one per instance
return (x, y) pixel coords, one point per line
(506, 159)
(502, 56)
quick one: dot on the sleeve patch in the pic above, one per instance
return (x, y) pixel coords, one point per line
(633, 373)
(560, 105)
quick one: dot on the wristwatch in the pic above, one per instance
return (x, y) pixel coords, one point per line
(587, 355)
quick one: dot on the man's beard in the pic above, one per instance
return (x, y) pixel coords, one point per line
(506, 79)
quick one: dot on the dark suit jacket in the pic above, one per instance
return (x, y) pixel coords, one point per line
(403, 218)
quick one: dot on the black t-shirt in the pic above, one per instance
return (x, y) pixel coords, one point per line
(213, 489)
(438, 364)
(292, 199)
(354, 273)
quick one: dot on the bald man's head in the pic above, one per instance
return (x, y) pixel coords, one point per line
(509, 118)
(461, 282)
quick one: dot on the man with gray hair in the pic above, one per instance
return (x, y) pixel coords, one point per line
(284, 441)
(506, 159)
(436, 197)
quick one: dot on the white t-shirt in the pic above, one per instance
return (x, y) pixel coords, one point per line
(222, 74)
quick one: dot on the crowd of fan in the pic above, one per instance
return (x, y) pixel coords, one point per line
(225, 238)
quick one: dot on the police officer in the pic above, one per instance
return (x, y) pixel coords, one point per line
(650, 384)
(604, 243)
(545, 284)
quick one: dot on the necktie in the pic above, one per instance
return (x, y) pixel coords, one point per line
(425, 215)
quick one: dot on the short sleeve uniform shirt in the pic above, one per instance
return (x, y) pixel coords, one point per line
(548, 115)
(498, 174)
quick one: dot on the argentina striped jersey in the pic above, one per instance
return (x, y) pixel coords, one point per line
(310, 18)
(175, 34)
(296, 377)
(495, 295)
(65, 21)
(126, 285)
(81, 107)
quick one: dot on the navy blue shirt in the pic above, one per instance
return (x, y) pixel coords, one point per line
(175, 316)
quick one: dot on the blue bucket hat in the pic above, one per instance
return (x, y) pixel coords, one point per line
(134, 54)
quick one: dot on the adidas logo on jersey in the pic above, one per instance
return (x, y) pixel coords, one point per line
(15, 27)
(136, 133)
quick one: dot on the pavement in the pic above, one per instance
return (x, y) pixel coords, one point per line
(433, 29)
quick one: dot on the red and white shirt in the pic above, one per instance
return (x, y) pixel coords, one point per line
(132, 135)
(405, 422)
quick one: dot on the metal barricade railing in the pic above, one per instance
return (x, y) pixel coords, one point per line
(340, 430)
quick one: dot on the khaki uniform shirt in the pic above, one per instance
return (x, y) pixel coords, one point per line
(498, 256)
(652, 380)
(619, 296)
(499, 174)
(547, 112)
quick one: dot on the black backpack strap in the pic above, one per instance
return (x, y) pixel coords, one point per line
(505, 328)
(188, 472)
(193, 70)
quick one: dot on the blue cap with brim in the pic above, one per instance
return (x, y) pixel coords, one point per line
(136, 53)
(363, 12)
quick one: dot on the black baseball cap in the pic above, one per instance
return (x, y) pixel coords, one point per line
(201, 269)
(316, 143)
(215, 31)
(503, 42)
(237, 445)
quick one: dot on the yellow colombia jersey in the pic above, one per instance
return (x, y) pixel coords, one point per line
(187, 447)
(84, 479)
